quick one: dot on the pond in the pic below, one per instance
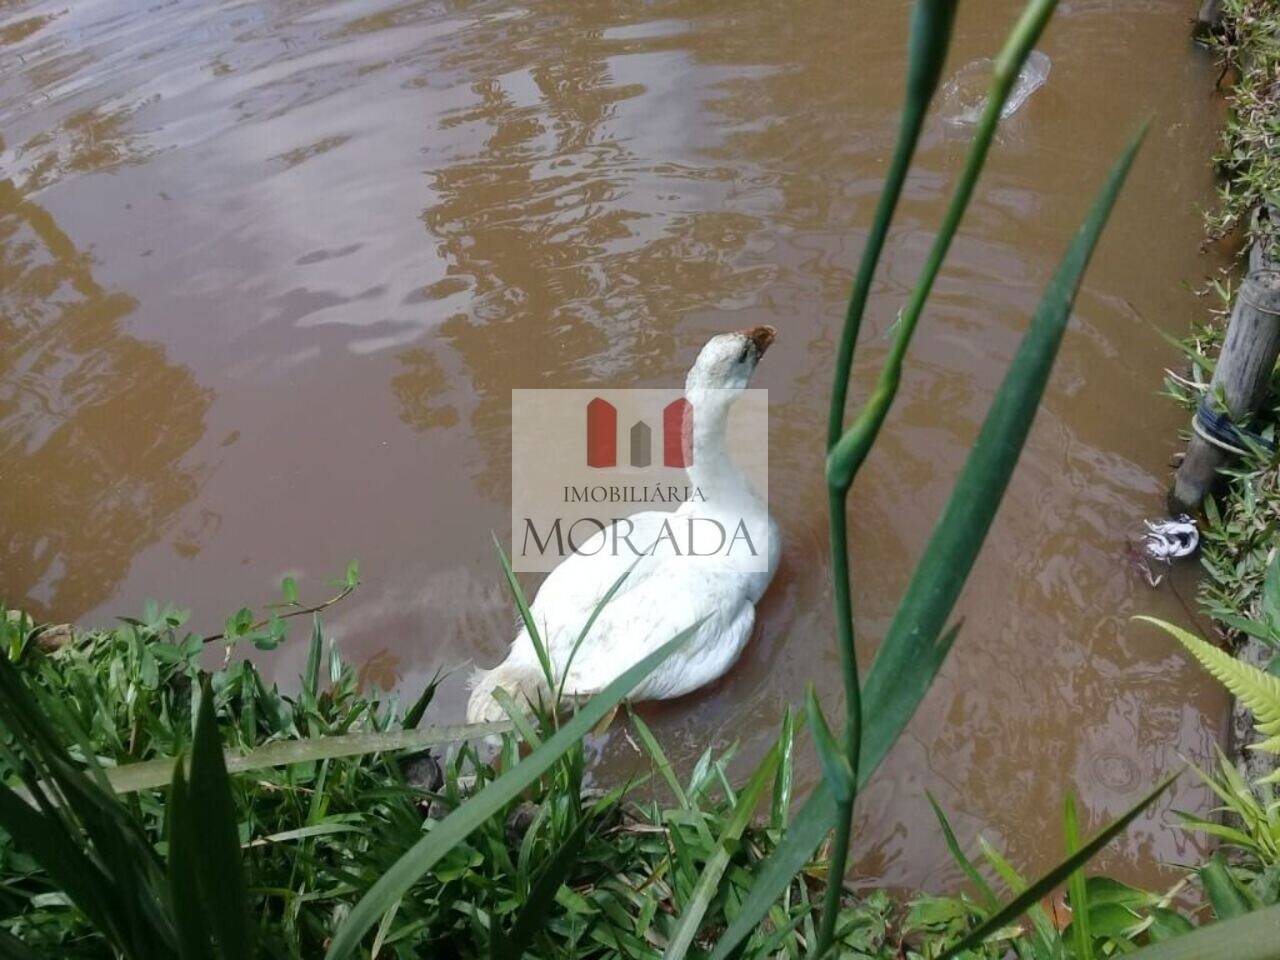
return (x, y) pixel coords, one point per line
(269, 272)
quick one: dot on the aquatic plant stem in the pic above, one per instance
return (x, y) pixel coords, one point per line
(932, 21)
(853, 716)
(848, 451)
(930, 38)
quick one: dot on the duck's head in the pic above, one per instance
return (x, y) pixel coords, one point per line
(728, 360)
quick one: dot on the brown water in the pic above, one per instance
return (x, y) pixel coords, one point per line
(269, 271)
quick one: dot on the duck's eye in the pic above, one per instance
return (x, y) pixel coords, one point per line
(746, 348)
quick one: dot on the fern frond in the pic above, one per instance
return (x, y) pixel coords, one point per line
(1258, 691)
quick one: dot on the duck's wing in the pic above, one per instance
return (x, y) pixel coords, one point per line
(655, 611)
(576, 586)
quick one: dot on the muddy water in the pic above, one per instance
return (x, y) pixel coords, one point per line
(269, 270)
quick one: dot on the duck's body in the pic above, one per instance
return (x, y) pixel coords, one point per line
(661, 595)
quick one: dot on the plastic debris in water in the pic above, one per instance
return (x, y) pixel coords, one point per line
(1166, 541)
(965, 95)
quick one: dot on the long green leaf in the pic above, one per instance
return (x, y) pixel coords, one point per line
(835, 766)
(11, 948)
(56, 850)
(1255, 936)
(950, 554)
(457, 826)
(217, 839)
(1031, 896)
(780, 807)
(586, 628)
(189, 916)
(849, 452)
(150, 774)
(914, 648)
(526, 615)
(659, 757)
(52, 836)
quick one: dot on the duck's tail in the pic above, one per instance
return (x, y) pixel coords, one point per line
(523, 682)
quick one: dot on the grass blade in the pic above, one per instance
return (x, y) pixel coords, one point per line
(1079, 895)
(958, 855)
(458, 825)
(526, 615)
(413, 716)
(1031, 896)
(915, 646)
(848, 452)
(311, 673)
(659, 757)
(150, 774)
(535, 910)
(709, 881)
(780, 806)
(586, 628)
(835, 767)
(519, 718)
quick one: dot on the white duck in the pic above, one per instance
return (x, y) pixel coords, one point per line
(662, 595)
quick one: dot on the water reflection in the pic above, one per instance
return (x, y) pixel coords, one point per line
(94, 424)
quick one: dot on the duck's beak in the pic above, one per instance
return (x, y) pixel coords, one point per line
(761, 336)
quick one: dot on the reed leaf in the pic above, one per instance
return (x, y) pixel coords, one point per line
(914, 648)
(848, 453)
(962, 860)
(930, 37)
(526, 616)
(190, 919)
(958, 536)
(1227, 898)
(814, 819)
(835, 766)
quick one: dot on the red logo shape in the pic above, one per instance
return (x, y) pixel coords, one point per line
(602, 434)
(677, 433)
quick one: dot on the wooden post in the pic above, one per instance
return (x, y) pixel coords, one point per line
(1241, 377)
(1209, 18)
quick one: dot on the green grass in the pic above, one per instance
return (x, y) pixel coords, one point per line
(656, 867)
(1248, 159)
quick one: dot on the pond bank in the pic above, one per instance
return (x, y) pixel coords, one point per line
(1242, 516)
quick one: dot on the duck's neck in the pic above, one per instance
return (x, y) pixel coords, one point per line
(712, 473)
